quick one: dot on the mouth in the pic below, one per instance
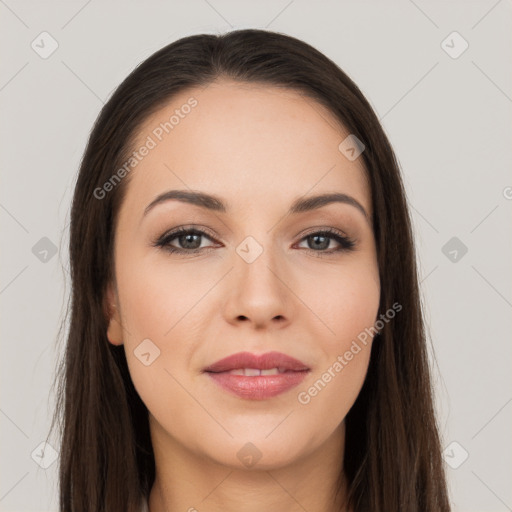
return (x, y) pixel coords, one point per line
(254, 377)
(255, 372)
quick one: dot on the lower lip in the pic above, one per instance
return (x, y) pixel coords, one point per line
(259, 387)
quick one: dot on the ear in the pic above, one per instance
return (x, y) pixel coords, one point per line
(114, 329)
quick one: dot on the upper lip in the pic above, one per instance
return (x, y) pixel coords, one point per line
(265, 361)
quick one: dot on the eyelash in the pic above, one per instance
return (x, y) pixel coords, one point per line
(163, 242)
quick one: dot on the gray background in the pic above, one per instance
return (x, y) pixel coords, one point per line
(447, 118)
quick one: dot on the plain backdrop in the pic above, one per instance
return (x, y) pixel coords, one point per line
(438, 75)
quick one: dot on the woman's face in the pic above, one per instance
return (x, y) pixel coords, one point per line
(258, 278)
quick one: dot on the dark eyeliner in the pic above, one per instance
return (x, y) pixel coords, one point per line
(346, 243)
(163, 242)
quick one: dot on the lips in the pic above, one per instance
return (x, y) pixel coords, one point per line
(248, 361)
(255, 377)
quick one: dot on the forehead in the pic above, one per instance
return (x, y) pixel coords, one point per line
(251, 144)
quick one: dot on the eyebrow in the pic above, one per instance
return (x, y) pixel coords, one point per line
(215, 203)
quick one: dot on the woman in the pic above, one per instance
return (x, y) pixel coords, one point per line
(245, 328)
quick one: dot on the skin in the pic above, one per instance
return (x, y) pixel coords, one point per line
(259, 148)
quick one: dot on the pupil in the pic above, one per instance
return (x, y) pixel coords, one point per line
(186, 239)
(321, 245)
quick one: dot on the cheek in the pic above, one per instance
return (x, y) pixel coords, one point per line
(347, 307)
(154, 305)
(345, 302)
(350, 311)
(157, 298)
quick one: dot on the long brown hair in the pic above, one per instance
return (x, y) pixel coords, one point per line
(392, 455)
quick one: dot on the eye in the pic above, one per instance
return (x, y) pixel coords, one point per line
(188, 238)
(189, 241)
(319, 241)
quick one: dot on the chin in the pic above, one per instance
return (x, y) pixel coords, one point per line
(257, 452)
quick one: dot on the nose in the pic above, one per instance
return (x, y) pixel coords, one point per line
(258, 294)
